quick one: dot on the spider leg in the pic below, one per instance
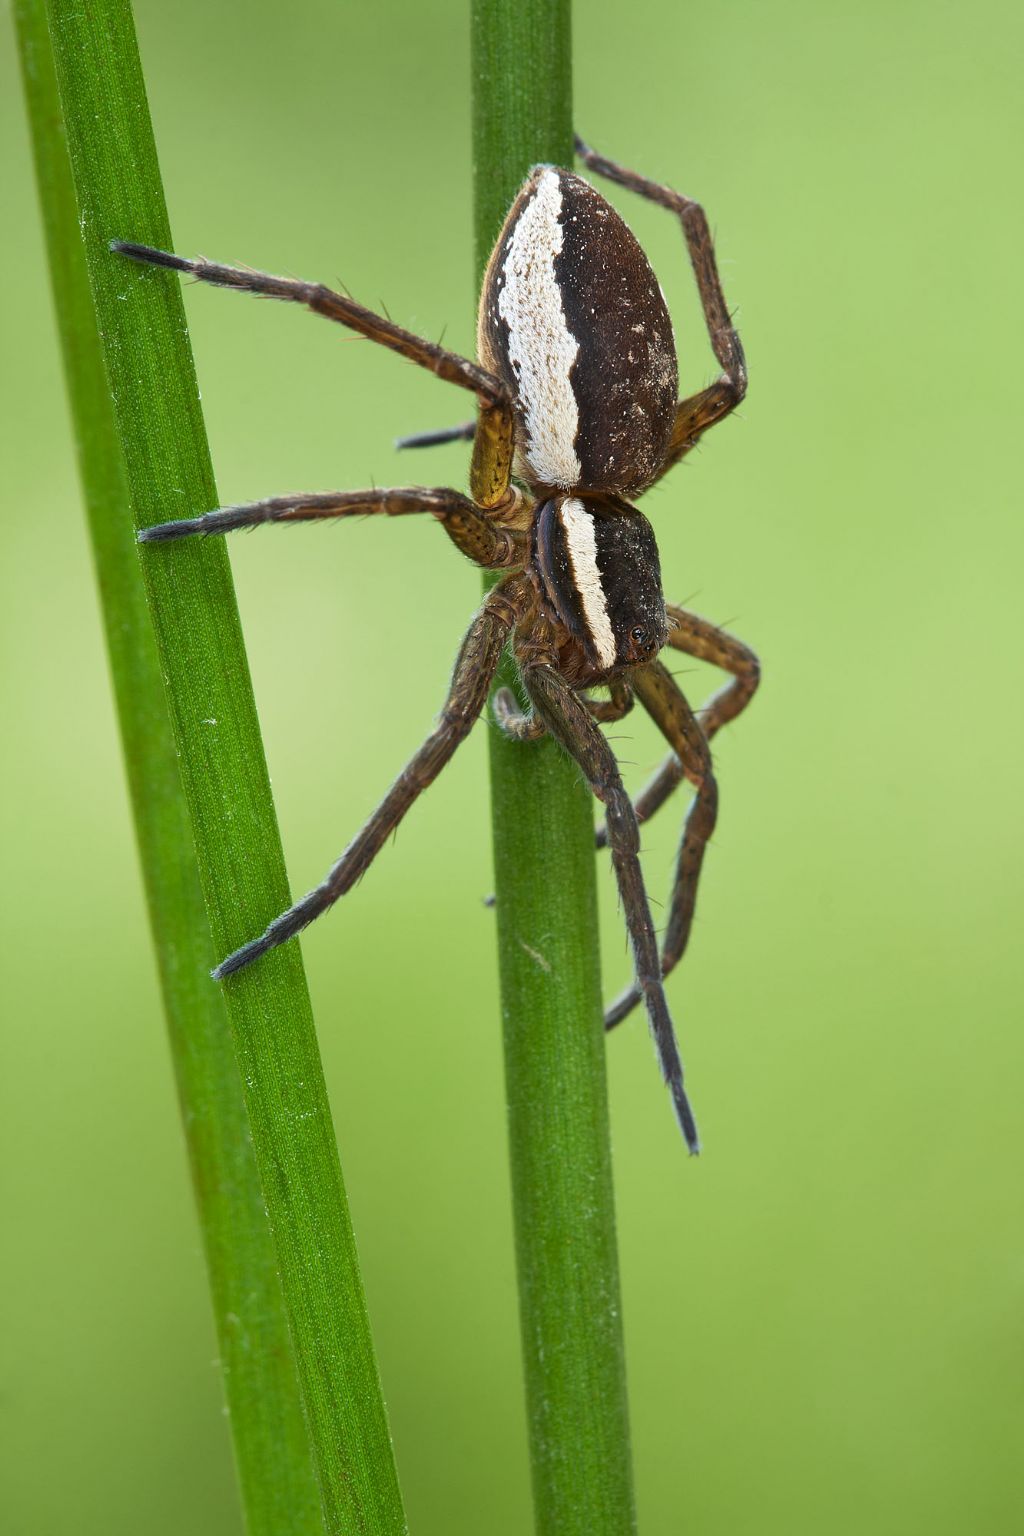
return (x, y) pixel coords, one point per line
(701, 411)
(492, 454)
(521, 725)
(614, 708)
(464, 433)
(699, 637)
(467, 528)
(664, 701)
(693, 417)
(334, 306)
(475, 667)
(568, 720)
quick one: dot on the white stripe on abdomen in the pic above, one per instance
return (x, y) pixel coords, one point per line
(541, 347)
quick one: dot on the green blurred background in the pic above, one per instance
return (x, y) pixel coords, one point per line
(823, 1315)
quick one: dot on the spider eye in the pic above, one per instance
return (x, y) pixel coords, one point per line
(639, 636)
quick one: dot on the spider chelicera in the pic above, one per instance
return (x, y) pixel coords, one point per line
(577, 416)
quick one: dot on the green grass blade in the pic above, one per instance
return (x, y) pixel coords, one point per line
(547, 934)
(151, 380)
(275, 1471)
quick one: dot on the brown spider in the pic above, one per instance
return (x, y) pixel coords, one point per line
(577, 400)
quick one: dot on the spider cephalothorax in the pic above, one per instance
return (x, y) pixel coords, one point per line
(595, 567)
(577, 402)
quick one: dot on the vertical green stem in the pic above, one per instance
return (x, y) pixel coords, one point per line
(150, 380)
(547, 934)
(275, 1471)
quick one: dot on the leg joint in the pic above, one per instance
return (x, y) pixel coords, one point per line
(457, 719)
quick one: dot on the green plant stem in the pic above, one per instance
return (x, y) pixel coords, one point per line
(567, 1263)
(151, 380)
(275, 1471)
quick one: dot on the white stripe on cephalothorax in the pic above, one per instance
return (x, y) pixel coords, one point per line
(581, 542)
(541, 347)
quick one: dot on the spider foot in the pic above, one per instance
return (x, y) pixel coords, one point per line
(464, 433)
(278, 932)
(160, 533)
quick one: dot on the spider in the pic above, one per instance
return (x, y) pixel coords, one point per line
(577, 416)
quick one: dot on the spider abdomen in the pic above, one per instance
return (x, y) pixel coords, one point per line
(574, 323)
(598, 575)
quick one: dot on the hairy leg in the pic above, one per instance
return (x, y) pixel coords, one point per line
(523, 725)
(475, 667)
(664, 701)
(569, 721)
(698, 637)
(469, 529)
